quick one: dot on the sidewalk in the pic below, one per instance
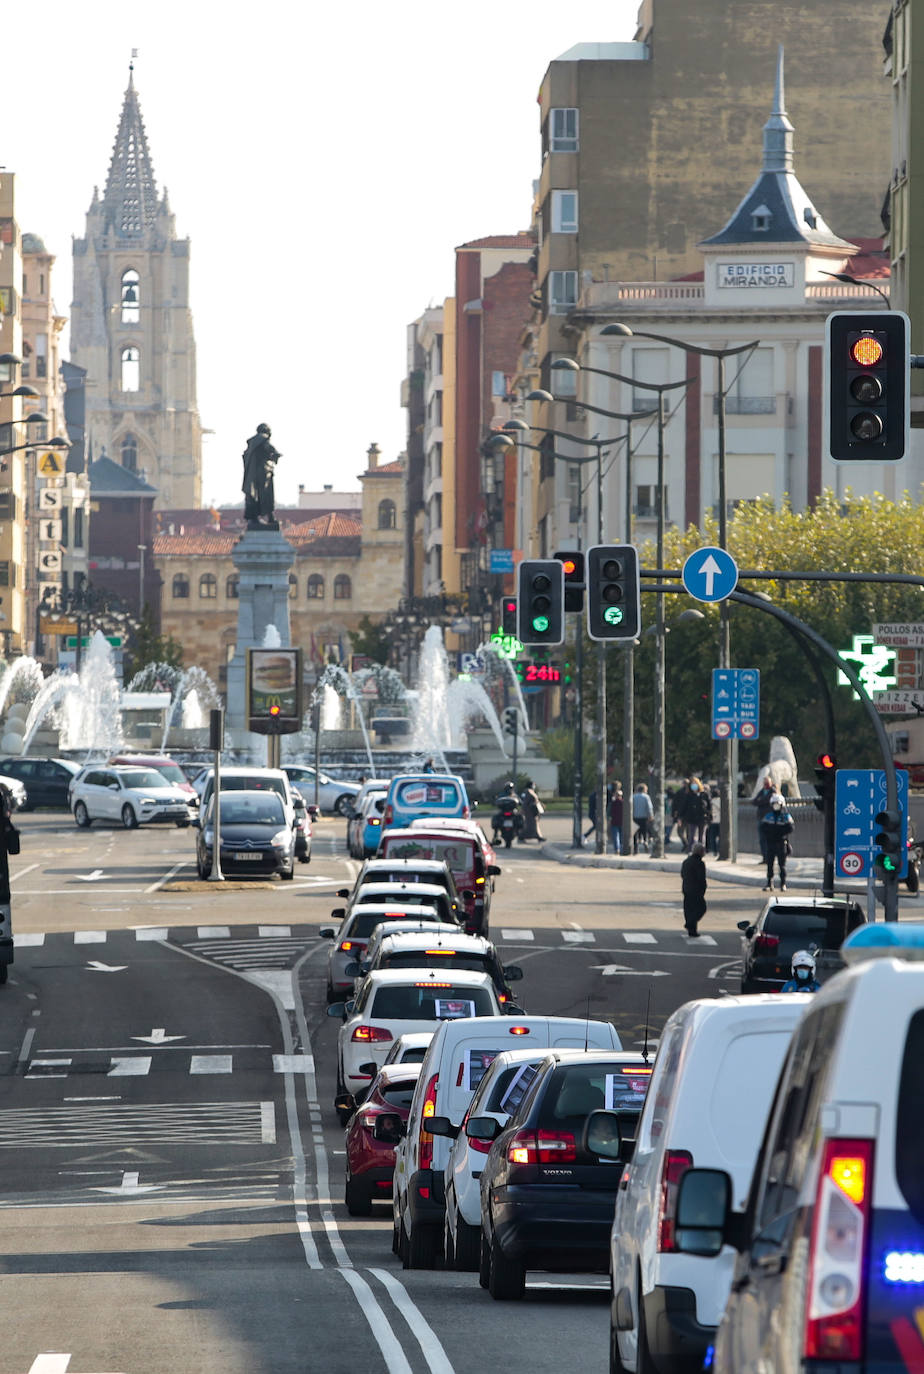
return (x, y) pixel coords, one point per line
(748, 871)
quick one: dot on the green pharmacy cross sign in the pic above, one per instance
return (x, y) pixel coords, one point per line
(872, 662)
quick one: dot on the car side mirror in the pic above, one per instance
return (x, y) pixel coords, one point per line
(338, 913)
(494, 870)
(371, 1068)
(327, 932)
(441, 1125)
(512, 973)
(345, 1102)
(703, 1205)
(336, 1009)
(389, 1128)
(482, 1128)
(745, 926)
(343, 892)
(602, 1135)
(352, 969)
(468, 894)
(298, 802)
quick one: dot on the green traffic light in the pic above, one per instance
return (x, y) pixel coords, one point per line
(613, 615)
(540, 623)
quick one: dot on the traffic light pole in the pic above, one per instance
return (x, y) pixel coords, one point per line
(602, 814)
(577, 823)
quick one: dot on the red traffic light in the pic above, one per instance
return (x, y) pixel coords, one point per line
(827, 761)
(867, 350)
(569, 566)
(274, 710)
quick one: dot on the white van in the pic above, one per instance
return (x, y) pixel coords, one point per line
(456, 1061)
(830, 1269)
(714, 1077)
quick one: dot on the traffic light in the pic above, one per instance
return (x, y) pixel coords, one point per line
(509, 615)
(541, 601)
(825, 779)
(614, 608)
(888, 859)
(573, 564)
(511, 721)
(867, 381)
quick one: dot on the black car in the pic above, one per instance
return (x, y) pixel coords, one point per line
(788, 924)
(256, 838)
(548, 1188)
(46, 780)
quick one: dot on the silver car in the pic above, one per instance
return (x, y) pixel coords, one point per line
(352, 936)
(333, 795)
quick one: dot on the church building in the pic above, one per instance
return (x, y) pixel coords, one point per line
(132, 328)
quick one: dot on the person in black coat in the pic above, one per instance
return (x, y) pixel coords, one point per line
(693, 880)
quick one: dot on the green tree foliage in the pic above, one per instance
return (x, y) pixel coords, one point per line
(856, 534)
(371, 640)
(147, 646)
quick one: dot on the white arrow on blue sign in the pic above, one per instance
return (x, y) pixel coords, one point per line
(710, 574)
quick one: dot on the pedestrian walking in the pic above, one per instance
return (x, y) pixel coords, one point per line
(616, 817)
(777, 826)
(668, 817)
(696, 812)
(532, 810)
(714, 827)
(642, 815)
(761, 800)
(591, 816)
(693, 884)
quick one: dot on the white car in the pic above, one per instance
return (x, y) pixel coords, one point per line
(393, 1002)
(434, 930)
(409, 1049)
(132, 796)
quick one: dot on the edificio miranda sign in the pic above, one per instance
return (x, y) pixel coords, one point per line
(745, 274)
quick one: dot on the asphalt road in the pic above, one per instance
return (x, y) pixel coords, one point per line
(172, 1166)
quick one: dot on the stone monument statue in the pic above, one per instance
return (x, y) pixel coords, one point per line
(260, 459)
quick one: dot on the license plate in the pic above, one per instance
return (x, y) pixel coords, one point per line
(247, 858)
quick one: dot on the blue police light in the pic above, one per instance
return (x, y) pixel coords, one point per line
(903, 1266)
(885, 940)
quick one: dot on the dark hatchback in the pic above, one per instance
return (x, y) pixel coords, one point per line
(46, 780)
(256, 838)
(788, 924)
(547, 1194)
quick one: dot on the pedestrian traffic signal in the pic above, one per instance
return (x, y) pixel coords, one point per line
(888, 858)
(509, 615)
(825, 779)
(867, 381)
(573, 564)
(541, 601)
(511, 721)
(614, 608)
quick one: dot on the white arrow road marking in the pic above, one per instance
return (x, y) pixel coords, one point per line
(96, 967)
(93, 877)
(157, 1037)
(730, 969)
(609, 969)
(709, 568)
(130, 1186)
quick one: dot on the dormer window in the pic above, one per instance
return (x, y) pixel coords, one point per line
(760, 220)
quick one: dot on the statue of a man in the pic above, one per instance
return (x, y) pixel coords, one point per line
(259, 465)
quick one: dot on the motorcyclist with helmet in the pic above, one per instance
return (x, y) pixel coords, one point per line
(803, 973)
(508, 806)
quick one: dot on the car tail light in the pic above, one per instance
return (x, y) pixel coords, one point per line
(347, 945)
(373, 820)
(676, 1163)
(368, 1033)
(425, 1151)
(518, 1030)
(833, 1327)
(466, 813)
(556, 1147)
(503, 997)
(766, 944)
(389, 815)
(522, 1148)
(368, 1120)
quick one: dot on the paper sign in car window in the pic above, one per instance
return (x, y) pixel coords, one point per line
(624, 1091)
(453, 1008)
(474, 1067)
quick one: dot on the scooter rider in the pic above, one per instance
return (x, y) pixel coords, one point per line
(508, 804)
(803, 973)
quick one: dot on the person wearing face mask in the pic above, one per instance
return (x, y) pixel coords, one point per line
(803, 974)
(777, 827)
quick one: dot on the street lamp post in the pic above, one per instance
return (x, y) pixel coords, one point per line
(729, 771)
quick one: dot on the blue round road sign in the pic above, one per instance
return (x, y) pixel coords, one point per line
(710, 574)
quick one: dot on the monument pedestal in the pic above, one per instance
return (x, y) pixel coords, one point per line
(263, 559)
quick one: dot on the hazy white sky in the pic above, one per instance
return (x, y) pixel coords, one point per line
(323, 159)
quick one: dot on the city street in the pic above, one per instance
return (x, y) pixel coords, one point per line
(172, 1163)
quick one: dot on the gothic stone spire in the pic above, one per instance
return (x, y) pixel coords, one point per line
(130, 198)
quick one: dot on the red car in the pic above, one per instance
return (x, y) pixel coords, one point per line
(464, 848)
(372, 1134)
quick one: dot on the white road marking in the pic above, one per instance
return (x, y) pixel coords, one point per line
(135, 1067)
(157, 1036)
(578, 937)
(608, 970)
(210, 1063)
(26, 1045)
(268, 1123)
(700, 939)
(96, 967)
(395, 1358)
(22, 941)
(48, 1064)
(156, 886)
(277, 982)
(293, 1063)
(89, 937)
(97, 876)
(50, 1364)
(517, 936)
(21, 873)
(150, 932)
(427, 1338)
(639, 938)
(130, 1186)
(267, 932)
(213, 932)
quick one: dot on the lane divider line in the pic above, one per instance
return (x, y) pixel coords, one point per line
(156, 886)
(21, 872)
(427, 1339)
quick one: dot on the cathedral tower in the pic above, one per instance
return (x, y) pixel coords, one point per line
(131, 325)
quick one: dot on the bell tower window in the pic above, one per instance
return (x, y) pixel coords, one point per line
(131, 297)
(131, 369)
(129, 453)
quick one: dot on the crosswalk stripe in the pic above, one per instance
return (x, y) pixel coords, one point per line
(213, 932)
(639, 938)
(210, 1063)
(700, 939)
(135, 1067)
(267, 932)
(517, 936)
(578, 937)
(151, 933)
(22, 940)
(293, 1063)
(89, 937)
(116, 1123)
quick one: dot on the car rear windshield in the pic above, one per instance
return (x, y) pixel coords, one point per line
(577, 1090)
(406, 898)
(457, 855)
(142, 777)
(410, 958)
(229, 783)
(431, 1002)
(909, 1125)
(266, 810)
(416, 1055)
(363, 925)
(400, 1095)
(808, 924)
(405, 875)
(417, 793)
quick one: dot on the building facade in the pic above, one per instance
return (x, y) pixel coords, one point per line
(132, 326)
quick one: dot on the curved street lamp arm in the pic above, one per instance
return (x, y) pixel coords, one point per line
(639, 414)
(639, 384)
(691, 348)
